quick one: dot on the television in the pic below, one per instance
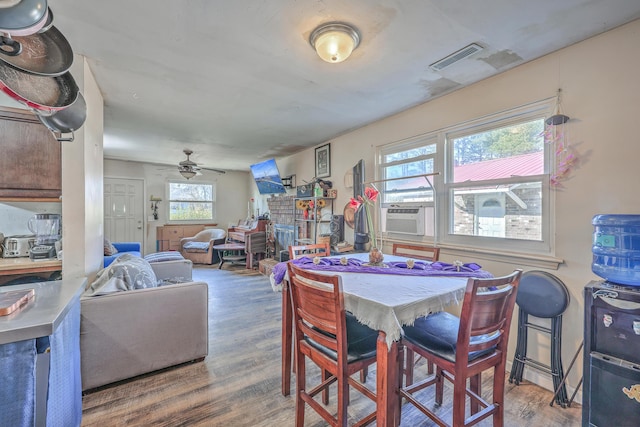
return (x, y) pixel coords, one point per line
(267, 177)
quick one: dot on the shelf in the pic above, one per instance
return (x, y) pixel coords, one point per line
(309, 230)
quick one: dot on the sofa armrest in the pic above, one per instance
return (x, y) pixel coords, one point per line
(131, 333)
(127, 246)
(172, 269)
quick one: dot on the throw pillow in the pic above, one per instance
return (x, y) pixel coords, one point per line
(109, 249)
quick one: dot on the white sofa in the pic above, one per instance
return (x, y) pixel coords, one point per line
(129, 333)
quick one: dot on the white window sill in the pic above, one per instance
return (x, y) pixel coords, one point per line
(533, 260)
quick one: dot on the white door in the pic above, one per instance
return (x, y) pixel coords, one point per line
(490, 213)
(123, 210)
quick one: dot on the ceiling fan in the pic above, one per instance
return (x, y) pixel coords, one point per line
(188, 168)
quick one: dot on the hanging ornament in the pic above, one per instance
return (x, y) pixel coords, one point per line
(555, 134)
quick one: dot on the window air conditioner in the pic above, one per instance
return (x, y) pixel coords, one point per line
(407, 220)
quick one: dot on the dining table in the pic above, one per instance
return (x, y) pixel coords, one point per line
(385, 298)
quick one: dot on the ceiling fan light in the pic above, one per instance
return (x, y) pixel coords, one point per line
(187, 173)
(334, 41)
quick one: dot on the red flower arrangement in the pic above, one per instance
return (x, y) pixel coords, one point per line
(367, 202)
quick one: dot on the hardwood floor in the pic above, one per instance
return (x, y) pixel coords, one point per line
(238, 384)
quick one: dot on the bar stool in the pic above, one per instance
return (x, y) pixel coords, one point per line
(541, 295)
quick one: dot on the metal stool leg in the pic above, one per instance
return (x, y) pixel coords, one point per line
(517, 367)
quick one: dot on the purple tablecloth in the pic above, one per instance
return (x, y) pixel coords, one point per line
(355, 265)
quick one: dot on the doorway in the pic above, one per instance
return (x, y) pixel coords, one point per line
(124, 210)
(490, 214)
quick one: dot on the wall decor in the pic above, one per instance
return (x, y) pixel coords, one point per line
(323, 161)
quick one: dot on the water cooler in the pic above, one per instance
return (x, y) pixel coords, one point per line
(612, 325)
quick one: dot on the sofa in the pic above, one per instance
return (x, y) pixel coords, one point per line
(199, 248)
(128, 333)
(122, 248)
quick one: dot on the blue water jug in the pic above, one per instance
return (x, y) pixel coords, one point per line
(616, 248)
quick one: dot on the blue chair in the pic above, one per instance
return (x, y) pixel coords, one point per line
(132, 248)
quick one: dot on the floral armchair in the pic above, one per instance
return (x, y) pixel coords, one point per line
(199, 248)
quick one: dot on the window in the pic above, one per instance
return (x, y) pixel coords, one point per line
(408, 159)
(191, 201)
(492, 191)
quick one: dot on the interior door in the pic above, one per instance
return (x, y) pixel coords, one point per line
(123, 210)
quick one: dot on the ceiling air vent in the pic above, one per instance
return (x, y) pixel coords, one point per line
(455, 57)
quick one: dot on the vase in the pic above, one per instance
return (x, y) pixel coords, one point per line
(376, 257)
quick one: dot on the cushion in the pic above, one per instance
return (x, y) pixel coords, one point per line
(438, 334)
(127, 272)
(196, 247)
(361, 341)
(164, 256)
(109, 249)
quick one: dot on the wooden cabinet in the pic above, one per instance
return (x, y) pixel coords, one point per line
(312, 219)
(31, 159)
(168, 236)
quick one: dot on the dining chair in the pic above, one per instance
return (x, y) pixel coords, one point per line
(316, 249)
(332, 339)
(319, 249)
(462, 348)
(427, 253)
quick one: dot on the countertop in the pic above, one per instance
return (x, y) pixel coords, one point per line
(26, 265)
(42, 315)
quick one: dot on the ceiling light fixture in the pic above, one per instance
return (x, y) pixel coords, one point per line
(334, 41)
(187, 172)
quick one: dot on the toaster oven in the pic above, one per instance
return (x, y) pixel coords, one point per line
(17, 246)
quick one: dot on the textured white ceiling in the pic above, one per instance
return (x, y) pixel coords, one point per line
(237, 81)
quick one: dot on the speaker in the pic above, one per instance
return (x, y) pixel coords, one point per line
(337, 229)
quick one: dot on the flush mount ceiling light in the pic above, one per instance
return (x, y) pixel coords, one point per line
(334, 41)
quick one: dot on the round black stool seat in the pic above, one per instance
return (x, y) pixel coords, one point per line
(542, 294)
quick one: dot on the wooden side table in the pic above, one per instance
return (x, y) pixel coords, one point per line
(236, 253)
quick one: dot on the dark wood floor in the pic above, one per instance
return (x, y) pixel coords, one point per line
(238, 384)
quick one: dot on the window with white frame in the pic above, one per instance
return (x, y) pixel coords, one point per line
(410, 159)
(191, 201)
(493, 187)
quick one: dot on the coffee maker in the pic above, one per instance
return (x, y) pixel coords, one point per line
(47, 228)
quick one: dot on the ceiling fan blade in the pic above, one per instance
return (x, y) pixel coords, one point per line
(213, 170)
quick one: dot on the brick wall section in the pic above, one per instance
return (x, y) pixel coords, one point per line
(281, 209)
(520, 223)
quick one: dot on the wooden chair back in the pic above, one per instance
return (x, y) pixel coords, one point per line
(311, 250)
(428, 253)
(487, 310)
(318, 308)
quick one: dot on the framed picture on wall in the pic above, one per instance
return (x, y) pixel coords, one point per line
(323, 161)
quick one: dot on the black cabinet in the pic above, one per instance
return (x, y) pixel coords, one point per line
(611, 393)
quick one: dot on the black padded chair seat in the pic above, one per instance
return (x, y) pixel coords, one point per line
(361, 341)
(438, 334)
(542, 294)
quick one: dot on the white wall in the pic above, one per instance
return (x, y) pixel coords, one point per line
(233, 192)
(600, 86)
(16, 215)
(82, 200)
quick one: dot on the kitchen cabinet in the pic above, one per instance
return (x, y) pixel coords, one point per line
(31, 161)
(312, 219)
